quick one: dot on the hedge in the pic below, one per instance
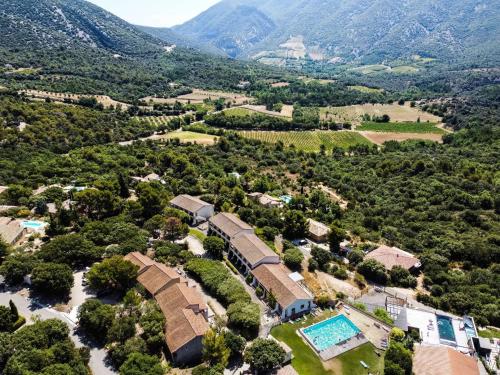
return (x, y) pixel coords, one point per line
(243, 314)
(21, 320)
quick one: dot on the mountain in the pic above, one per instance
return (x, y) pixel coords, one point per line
(168, 35)
(232, 28)
(367, 31)
(76, 46)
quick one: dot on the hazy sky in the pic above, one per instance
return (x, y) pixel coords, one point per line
(155, 12)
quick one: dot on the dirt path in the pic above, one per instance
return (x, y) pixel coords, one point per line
(336, 197)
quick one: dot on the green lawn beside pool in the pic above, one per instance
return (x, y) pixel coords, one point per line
(349, 362)
(306, 361)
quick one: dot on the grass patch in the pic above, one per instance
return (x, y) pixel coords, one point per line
(198, 234)
(365, 89)
(305, 360)
(402, 69)
(238, 112)
(349, 362)
(310, 141)
(489, 333)
(370, 69)
(191, 137)
(401, 127)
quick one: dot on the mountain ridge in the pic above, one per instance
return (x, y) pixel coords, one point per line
(363, 31)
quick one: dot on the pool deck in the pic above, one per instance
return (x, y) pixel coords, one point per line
(336, 350)
(340, 348)
(375, 331)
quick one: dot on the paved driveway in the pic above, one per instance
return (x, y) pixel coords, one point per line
(30, 308)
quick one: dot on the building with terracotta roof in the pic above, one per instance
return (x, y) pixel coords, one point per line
(158, 277)
(227, 226)
(441, 360)
(292, 299)
(392, 256)
(247, 251)
(265, 200)
(318, 232)
(186, 313)
(186, 321)
(11, 230)
(140, 260)
(199, 211)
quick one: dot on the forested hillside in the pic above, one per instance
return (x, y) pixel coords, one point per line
(355, 30)
(75, 46)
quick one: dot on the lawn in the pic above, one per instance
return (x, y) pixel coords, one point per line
(306, 361)
(310, 141)
(370, 69)
(489, 333)
(238, 112)
(365, 89)
(204, 139)
(402, 69)
(348, 363)
(400, 127)
(198, 234)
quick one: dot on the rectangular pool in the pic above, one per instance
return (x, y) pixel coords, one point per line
(445, 328)
(330, 332)
(31, 224)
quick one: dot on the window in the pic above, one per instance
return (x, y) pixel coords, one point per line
(301, 306)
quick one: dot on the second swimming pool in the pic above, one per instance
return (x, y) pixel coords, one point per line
(330, 332)
(445, 328)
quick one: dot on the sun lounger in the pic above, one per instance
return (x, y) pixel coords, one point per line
(364, 364)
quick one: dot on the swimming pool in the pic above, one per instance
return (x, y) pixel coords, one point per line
(445, 328)
(33, 224)
(330, 332)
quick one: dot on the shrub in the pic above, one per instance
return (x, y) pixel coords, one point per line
(264, 355)
(243, 314)
(244, 317)
(293, 258)
(383, 315)
(214, 246)
(341, 274)
(373, 270)
(52, 279)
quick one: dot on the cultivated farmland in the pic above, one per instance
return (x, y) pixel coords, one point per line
(400, 127)
(199, 96)
(309, 141)
(156, 120)
(398, 113)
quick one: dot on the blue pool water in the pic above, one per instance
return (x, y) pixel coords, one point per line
(330, 332)
(445, 328)
(32, 224)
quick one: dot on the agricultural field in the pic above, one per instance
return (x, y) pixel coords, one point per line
(286, 111)
(309, 141)
(398, 113)
(187, 136)
(379, 137)
(156, 120)
(105, 100)
(404, 69)
(371, 69)
(238, 112)
(199, 96)
(401, 127)
(365, 89)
